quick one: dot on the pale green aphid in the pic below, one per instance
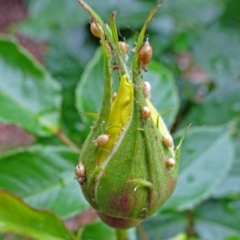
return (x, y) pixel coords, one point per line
(120, 114)
(122, 105)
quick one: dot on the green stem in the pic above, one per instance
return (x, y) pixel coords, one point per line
(121, 234)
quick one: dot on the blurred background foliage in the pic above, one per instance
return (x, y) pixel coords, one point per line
(196, 58)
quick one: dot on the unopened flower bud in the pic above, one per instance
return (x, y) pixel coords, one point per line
(128, 165)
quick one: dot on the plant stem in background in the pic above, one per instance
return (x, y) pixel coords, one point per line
(190, 224)
(141, 232)
(61, 135)
(121, 234)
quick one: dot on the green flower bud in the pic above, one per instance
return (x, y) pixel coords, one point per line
(129, 161)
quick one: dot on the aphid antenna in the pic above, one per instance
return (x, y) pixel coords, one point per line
(90, 20)
(146, 39)
(134, 48)
(166, 112)
(106, 150)
(115, 127)
(135, 189)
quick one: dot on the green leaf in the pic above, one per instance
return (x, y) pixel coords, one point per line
(221, 106)
(29, 97)
(219, 59)
(17, 217)
(230, 186)
(98, 231)
(185, 14)
(43, 18)
(89, 92)
(223, 103)
(230, 16)
(206, 158)
(232, 238)
(44, 178)
(74, 50)
(218, 220)
(218, 107)
(165, 226)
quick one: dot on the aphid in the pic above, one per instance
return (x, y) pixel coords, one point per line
(170, 163)
(96, 29)
(80, 173)
(146, 113)
(145, 55)
(101, 140)
(123, 46)
(115, 67)
(147, 89)
(114, 96)
(167, 140)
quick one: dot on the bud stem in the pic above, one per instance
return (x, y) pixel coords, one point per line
(121, 234)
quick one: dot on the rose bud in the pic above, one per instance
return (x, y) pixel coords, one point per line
(129, 161)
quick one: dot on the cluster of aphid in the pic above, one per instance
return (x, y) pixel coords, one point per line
(146, 113)
(145, 52)
(145, 56)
